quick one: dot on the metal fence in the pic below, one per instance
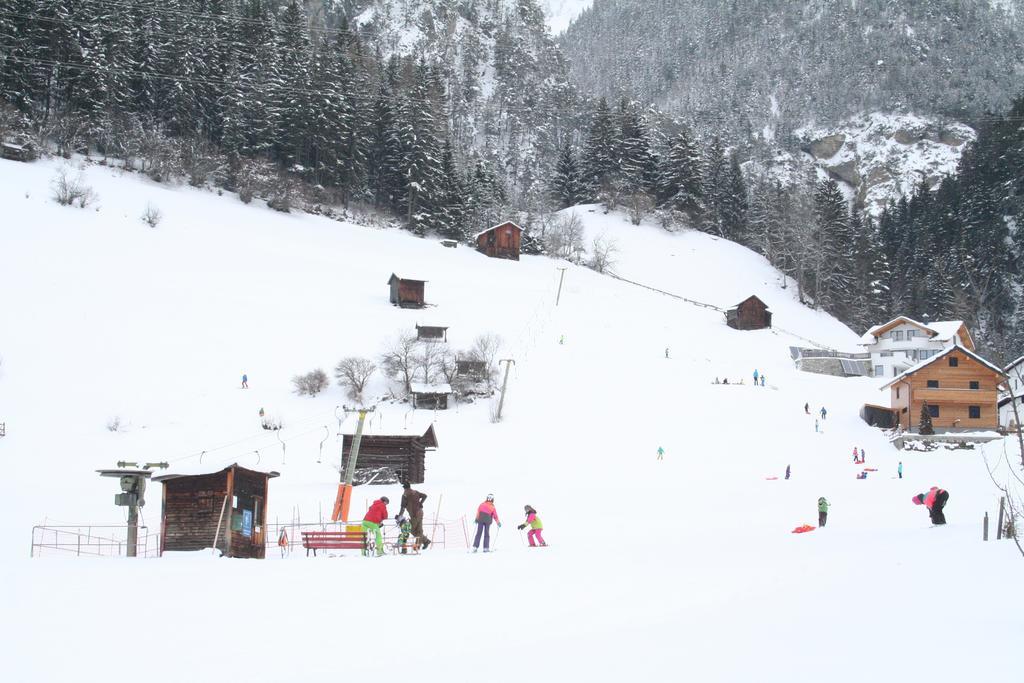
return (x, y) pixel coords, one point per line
(91, 541)
(447, 533)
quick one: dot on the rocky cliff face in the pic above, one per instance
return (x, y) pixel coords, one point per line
(879, 156)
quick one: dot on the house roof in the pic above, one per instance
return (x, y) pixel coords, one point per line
(429, 437)
(925, 363)
(942, 330)
(407, 279)
(1006, 399)
(1014, 364)
(748, 299)
(199, 470)
(494, 227)
(432, 326)
(423, 388)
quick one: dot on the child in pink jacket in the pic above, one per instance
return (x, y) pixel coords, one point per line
(485, 514)
(536, 527)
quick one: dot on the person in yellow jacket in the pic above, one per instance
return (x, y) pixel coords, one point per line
(536, 527)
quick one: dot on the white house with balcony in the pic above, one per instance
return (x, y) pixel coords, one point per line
(899, 344)
(1015, 394)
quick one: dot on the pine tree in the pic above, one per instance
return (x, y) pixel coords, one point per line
(680, 182)
(567, 186)
(925, 424)
(600, 156)
(733, 208)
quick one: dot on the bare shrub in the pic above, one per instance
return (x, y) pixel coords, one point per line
(69, 190)
(603, 251)
(354, 373)
(161, 159)
(564, 237)
(485, 350)
(310, 384)
(151, 216)
(114, 424)
(283, 194)
(398, 359)
(271, 423)
(638, 204)
(199, 161)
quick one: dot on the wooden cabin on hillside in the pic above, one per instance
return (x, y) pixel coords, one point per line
(960, 387)
(405, 455)
(406, 292)
(430, 396)
(749, 314)
(501, 241)
(229, 505)
(432, 333)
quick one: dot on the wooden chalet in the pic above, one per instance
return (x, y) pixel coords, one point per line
(432, 333)
(471, 369)
(501, 241)
(406, 292)
(749, 314)
(430, 396)
(404, 454)
(195, 505)
(960, 387)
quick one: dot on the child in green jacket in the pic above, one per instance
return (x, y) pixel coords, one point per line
(536, 527)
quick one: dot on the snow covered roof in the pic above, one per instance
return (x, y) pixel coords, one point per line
(1012, 365)
(942, 330)
(376, 428)
(197, 469)
(423, 388)
(484, 232)
(925, 363)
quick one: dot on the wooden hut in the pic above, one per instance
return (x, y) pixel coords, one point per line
(882, 417)
(229, 505)
(406, 292)
(501, 241)
(749, 314)
(471, 369)
(401, 453)
(432, 333)
(430, 396)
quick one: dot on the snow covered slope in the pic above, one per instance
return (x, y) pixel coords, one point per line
(560, 13)
(683, 568)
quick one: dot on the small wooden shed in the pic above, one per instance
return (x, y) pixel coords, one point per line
(229, 505)
(430, 396)
(501, 241)
(406, 292)
(749, 314)
(432, 333)
(471, 369)
(402, 453)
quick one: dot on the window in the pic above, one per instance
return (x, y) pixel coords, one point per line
(886, 354)
(954, 362)
(925, 353)
(975, 385)
(933, 384)
(895, 372)
(933, 410)
(974, 412)
(879, 370)
(897, 335)
(910, 334)
(897, 392)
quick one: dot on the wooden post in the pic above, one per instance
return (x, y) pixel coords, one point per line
(999, 528)
(984, 527)
(437, 514)
(561, 278)
(501, 401)
(220, 520)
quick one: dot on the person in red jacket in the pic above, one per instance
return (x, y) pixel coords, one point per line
(375, 516)
(934, 500)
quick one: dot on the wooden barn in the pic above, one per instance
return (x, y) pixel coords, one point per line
(960, 388)
(430, 396)
(406, 292)
(501, 241)
(404, 454)
(471, 369)
(749, 314)
(882, 417)
(432, 333)
(229, 505)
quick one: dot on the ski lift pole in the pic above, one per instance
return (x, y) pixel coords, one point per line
(344, 501)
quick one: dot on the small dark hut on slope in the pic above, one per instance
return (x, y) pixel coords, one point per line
(407, 292)
(402, 454)
(749, 314)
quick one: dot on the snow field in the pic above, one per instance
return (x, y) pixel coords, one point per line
(683, 568)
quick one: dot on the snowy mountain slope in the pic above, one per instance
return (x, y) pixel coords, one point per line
(561, 13)
(677, 565)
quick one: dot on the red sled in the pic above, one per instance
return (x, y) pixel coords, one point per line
(803, 529)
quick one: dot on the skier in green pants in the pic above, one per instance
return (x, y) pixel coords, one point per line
(375, 516)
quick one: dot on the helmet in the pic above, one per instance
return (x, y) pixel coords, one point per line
(385, 499)
(490, 497)
(406, 485)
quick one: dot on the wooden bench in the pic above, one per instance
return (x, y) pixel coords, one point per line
(335, 540)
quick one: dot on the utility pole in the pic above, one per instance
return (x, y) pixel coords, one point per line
(504, 385)
(344, 499)
(561, 278)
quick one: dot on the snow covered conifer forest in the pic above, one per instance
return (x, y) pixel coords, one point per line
(446, 116)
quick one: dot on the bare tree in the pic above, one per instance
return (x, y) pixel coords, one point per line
(428, 361)
(639, 205)
(151, 216)
(399, 358)
(564, 237)
(485, 350)
(447, 366)
(603, 251)
(354, 373)
(310, 384)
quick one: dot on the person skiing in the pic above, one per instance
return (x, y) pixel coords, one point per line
(245, 381)
(862, 458)
(561, 339)
(762, 380)
(666, 352)
(823, 412)
(536, 527)
(373, 520)
(934, 500)
(485, 514)
(661, 453)
(405, 531)
(822, 511)
(807, 408)
(787, 471)
(755, 376)
(855, 458)
(412, 500)
(899, 469)
(815, 425)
